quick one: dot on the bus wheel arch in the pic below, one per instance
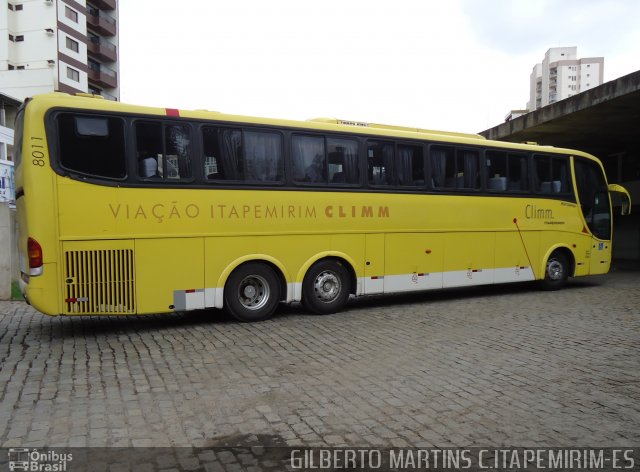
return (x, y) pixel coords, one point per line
(253, 290)
(559, 265)
(327, 284)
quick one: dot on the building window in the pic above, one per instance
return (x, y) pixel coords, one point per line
(19, 7)
(10, 6)
(73, 74)
(71, 14)
(73, 45)
(20, 67)
(11, 67)
(19, 38)
(11, 38)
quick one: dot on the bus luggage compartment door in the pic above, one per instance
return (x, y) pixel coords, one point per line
(374, 264)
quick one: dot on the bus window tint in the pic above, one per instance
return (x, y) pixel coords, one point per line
(213, 166)
(455, 169)
(309, 163)
(594, 197)
(560, 172)
(177, 151)
(249, 156)
(263, 161)
(92, 145)
(149, 150)
(380, 162)
(342, 161)
(443, 167)
(468, 169)
(506, 171)
(231, 165)
(163, 150)
(410, 166)
(518, 175)
(496, 162)
(551, 174)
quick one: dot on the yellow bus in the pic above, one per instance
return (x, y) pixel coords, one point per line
(127, 210)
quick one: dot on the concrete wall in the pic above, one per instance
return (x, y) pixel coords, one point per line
(8, 251)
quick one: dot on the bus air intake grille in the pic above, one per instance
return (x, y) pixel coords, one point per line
(99, 282)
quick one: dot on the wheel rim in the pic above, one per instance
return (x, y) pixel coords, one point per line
(555, 270)
(327, 286)
(253, 292)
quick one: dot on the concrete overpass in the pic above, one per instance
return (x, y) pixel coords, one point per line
(604, 121)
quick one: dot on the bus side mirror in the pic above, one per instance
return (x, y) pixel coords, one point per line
(626, 207)
(624, 196)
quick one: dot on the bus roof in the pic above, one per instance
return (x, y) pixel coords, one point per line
(363, 124)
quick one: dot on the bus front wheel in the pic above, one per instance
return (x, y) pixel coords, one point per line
(556, 271)
(326, 287)
(252, 292)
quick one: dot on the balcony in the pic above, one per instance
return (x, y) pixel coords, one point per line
(101, 23)
(103, 76)
(103, 50)
(105, 4)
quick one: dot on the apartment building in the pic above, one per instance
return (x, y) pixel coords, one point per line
(63, 45)
(561, 75)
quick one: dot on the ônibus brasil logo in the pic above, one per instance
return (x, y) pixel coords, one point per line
(34, 460)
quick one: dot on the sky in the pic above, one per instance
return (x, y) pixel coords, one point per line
(457, 65)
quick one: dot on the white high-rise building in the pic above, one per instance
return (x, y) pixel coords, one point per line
(561, 75)
(64, 45)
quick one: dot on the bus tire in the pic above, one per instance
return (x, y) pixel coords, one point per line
(326, 287)
(252, 292)
(556, 271)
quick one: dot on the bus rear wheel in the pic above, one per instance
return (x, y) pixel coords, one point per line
(326, 287)
(252, 292)
(556, 271)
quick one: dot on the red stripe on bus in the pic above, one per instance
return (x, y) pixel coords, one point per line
(172, 112)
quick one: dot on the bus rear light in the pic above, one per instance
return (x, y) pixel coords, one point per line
(34, 250)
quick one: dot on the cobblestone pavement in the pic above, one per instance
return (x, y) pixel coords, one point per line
(498, 366)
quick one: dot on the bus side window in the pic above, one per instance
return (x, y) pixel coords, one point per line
(177, 151)
(214, 168)
(380, 163)
(518, 175)
(342, 162)
(496, 162)
(263, 157)
(309, 163)
(455, 168)
(410, 165)
(551, 174)
(443, 168)
(92, 145)
(169, 145)
(506, 172)
(468, 169)
(560, 173)
(149, 150)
